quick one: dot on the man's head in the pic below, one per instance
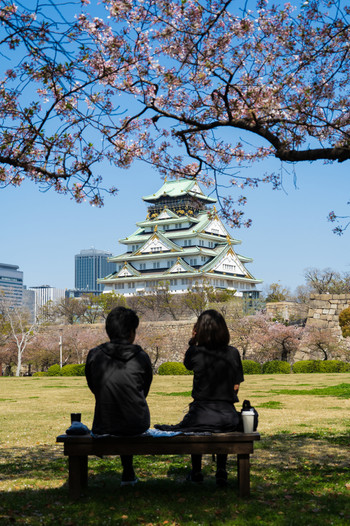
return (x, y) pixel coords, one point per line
(121, 324)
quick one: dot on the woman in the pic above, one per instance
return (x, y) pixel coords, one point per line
(218, 372)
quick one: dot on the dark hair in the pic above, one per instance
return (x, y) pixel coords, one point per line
(211, 330)
(121, 323)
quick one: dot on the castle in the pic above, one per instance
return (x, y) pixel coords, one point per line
(182, 243)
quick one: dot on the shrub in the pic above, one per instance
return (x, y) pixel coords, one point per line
(73, 369)
(344, 322)
(251, 367)
(321, 366)
(276, 367)
(54, 370)
(168, 368)
(40, 373)
(334, 366)
(307, 366)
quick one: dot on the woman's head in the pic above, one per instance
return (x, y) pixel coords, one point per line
(121, 324)
(211, 330)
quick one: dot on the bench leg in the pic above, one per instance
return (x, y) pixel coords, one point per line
(243, 472)
(78, 471)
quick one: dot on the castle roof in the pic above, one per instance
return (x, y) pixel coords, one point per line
(179, 188)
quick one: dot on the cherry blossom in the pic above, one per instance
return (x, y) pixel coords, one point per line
(195, 88)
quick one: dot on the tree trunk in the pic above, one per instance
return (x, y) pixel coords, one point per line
(19, 363)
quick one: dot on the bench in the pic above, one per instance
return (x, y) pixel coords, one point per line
(78, 448)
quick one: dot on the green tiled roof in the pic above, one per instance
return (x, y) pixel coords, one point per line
(166, 276)
(169, 221)
(182, 252)
(209, 266)
(178, 188)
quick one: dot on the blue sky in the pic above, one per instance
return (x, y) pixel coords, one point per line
(41, 232)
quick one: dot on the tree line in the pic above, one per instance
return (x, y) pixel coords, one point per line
(78, 322)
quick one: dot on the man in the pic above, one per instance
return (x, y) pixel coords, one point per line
(119, 374)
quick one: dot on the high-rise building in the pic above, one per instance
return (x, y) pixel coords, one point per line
(90, 265)
(11, 284)
(44, 294)
(183, 243)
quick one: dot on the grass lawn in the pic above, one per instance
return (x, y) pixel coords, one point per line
(300, 473)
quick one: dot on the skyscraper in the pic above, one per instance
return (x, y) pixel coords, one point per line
(90, 265)
(11, 284)
(44, 294)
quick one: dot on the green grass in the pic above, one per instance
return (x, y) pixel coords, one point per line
(299, 474)
(340, 391)
(185, 393)
(271, 405)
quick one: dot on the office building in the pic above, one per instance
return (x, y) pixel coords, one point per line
(11, 284)
(44, 294)
(90, 265)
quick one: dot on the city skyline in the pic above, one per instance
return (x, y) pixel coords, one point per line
(42, 232)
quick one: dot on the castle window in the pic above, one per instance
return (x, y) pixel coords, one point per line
(156, 264)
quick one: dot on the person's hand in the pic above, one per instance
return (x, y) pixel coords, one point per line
(236, 388)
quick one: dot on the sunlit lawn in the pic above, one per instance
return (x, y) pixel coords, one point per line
(300, 470)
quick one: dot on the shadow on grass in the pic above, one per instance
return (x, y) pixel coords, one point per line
(296, 480)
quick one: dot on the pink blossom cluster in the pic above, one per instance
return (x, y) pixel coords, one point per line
(195, 88)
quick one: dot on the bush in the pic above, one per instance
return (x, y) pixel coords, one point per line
(40, 373)
(334, 366)
(251, 367)
(321, 366)
(307, 366)
(54, 370)
(73, 369)
(344, 322)
(169, 368)
(276, 367)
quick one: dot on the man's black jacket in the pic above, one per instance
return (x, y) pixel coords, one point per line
(119, 374)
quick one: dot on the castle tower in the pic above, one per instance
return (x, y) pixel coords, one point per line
(182, 242)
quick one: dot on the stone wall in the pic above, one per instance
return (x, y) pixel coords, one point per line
(171, 337)
(287, 310)
(324, 310)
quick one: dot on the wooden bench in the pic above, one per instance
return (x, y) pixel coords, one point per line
(78, 448)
